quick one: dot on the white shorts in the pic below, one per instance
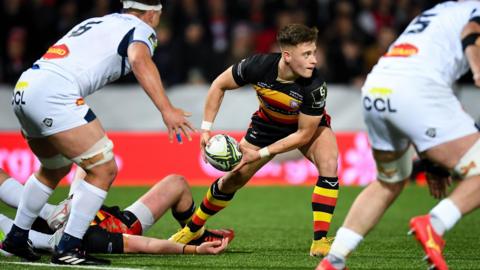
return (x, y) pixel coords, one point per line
(400, 110)
(46, 103)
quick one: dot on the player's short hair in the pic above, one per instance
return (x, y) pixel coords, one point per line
(146, 2)
(294, 34)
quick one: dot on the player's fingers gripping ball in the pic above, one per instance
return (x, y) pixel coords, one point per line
(222, 152)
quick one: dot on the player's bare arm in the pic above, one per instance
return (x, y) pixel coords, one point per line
(148, 245)
(148, 76)
(471, 43)
(307, 125)
(213, 101)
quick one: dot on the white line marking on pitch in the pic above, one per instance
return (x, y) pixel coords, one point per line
(69, 266)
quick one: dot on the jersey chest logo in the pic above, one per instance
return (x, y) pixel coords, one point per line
(56, 51)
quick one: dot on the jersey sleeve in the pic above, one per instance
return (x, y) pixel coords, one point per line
(314, 98)
(145, 35)
(247, 71)
(475, 14)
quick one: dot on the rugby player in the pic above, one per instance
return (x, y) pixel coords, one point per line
(408, 100)
(292, 115)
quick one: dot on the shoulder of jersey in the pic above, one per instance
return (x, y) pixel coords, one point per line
(264, 62)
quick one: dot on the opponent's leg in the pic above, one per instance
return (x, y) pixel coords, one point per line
(394, 169)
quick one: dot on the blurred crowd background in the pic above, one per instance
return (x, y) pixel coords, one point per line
(198, 39)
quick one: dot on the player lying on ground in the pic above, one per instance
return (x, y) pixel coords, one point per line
(116, 231)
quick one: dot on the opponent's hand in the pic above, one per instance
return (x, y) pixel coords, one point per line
(214, 247)
(438, 184)
(248, 156)
(204, 138)
(177, 123)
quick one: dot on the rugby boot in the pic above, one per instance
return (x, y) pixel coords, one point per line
(321, 247)
(184, 235)
(431, 242)
(60, 214)
(22, 250)
(214, 235)
(76, 256)
(326, 265)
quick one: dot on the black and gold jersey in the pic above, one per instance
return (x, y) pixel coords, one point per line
(280, 101)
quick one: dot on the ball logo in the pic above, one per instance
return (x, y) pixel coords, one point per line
(222, 152)
(56, 51)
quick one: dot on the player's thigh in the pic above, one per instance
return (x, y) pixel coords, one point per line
(322, 144)
(75, 141)
(450, 153)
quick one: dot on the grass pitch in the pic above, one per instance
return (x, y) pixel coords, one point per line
(273, 230)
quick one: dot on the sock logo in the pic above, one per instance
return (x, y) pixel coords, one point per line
(332, 183)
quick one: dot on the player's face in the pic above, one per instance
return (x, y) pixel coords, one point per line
(156, 18)
(302, 59)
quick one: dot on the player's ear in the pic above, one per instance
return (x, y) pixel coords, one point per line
(287, 56)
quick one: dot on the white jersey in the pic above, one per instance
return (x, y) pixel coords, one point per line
(94, 52)
(431, 45)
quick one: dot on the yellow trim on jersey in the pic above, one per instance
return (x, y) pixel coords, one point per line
(322, 216)
(276, 95)
(380, 91)
(276, 115)
(332, 193)
(214, 201)
(21, 85)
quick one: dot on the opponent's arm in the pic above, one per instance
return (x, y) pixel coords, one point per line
(148, 245)
(149, 78)
(471, 45)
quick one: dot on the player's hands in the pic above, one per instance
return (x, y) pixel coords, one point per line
(177, 123)
(214, 247)
(204, 138)
(438, 179)
(248, 156)
(438, 184)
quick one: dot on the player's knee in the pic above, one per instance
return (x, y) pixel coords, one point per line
(469, 164)
(177, 180)
(103, 175)
(328, 165)
(100, 153)
(395, 171)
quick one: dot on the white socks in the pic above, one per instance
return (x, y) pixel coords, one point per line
(85, 203)
(35, 195)
(143, 213)
(444, 216)
(74, 185)
(345, 242)
(10, 192)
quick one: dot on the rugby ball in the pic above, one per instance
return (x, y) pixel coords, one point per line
(222, 152)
